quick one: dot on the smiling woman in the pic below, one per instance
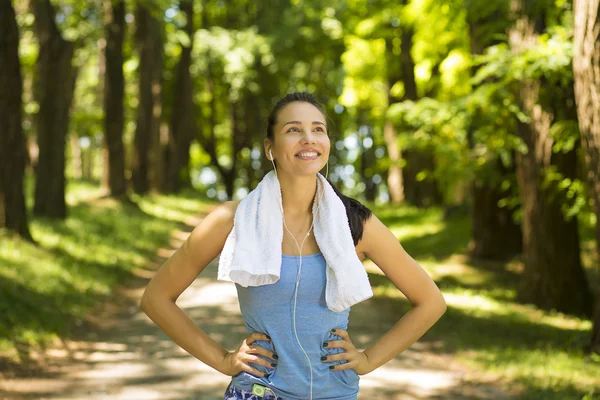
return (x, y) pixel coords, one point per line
(298, 346)
(297, 129)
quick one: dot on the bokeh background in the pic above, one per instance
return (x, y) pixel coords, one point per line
(471, 128)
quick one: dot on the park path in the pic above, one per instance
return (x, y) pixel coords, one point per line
(121, 354)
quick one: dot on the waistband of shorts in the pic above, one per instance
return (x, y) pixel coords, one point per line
(269, 393)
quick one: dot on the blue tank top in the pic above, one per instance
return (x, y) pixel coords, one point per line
(269, 309)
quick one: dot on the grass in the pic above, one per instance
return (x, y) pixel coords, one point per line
(46, 290)
(536, 353)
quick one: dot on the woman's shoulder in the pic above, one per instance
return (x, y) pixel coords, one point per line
(231, 205)
(227, 210)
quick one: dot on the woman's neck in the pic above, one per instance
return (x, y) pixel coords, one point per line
(297, 194)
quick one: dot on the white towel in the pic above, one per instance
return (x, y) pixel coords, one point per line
(252, 252)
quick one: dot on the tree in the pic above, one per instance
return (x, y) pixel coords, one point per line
(183, 125)
(54, 93)
(147, 166)
(586, 65)
(114, 87)
(553, 277)
(495, 235)
(13, 214)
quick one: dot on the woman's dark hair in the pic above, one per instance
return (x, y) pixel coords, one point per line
(357, 213)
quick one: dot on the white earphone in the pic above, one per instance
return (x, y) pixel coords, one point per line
(300, 268)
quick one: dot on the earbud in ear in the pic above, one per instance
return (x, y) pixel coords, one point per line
(270, 154)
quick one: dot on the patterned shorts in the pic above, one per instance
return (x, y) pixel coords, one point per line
(233, 393)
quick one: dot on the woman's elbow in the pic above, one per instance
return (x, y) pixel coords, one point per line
(440, 304)
(145, 301)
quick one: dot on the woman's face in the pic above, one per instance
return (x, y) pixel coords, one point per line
(300, 130)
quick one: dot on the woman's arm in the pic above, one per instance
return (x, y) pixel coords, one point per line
(177, 273)
(382, 247)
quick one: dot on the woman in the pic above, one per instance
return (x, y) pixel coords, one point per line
(298, 145)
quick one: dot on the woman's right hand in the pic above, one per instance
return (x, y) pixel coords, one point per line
(238, 360)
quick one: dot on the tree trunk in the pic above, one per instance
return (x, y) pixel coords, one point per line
(183, 124)
(87, 161)
(586, 65)
(395, 181)
(146, 142)
(420, 193)
(494, 234)
(13, 213)
(553, 277)
(160, 170)
(54, 92)
(416, 192)
(208, 141)
(76, 157)
(114, 88)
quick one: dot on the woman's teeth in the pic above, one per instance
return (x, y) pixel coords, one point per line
(307, 156)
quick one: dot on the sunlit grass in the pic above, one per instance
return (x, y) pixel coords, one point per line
(46, 289)
(536, 353)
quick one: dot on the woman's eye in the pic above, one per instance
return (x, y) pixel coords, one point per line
(298, 130)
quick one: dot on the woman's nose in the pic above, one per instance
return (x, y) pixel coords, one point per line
(309, 135)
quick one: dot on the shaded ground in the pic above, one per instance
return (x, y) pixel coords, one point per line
(121, 354)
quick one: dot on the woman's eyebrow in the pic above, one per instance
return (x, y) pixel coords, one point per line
(300, 123)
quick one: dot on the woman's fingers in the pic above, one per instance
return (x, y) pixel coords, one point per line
(348, 365)
(253, 352)
(348, 355)
(263, 352)
(342, 333)
(335, 357)
(254, 371)
(261, 361)
(337, 343)
(257, 336)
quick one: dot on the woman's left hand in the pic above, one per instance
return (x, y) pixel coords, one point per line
(357, 360)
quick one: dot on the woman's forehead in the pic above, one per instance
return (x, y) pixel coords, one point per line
(300, 111)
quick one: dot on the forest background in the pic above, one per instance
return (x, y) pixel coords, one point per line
(485, 113)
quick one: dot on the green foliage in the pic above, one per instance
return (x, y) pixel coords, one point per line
(551, 59)
(365, 85)
(533, 354)
(48, 289)
(234, 54)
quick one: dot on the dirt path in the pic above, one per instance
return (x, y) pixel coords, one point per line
(121, 354)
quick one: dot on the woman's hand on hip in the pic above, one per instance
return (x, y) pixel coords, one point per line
(238, 360)
(356, 360)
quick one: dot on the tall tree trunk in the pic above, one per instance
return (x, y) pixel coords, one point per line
(586, 63)
(54, 92)
(420, 193)
(13, 213)
(395, 182)
(147, 137)
(114, 88)
(76, 157)
(208, 140)
(183, 124)
(553, 277)
(494, 234)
